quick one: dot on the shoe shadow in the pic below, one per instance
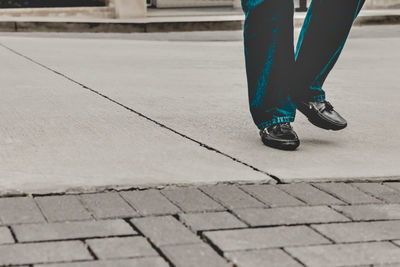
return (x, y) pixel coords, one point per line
(318, 142)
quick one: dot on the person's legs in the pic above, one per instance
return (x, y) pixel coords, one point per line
(322, 38)
(269, 55)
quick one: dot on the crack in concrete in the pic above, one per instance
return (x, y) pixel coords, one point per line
(141, 114)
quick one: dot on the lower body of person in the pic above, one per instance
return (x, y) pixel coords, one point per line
(281, 79)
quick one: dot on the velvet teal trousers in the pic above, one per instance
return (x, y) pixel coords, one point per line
(278, 76)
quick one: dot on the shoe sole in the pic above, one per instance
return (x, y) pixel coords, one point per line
(282, 145)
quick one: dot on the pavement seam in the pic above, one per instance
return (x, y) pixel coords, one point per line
(331, 194)
(205, 240)
(225, 206)
(371, 194)
(12, 233)
(40, 209)
(153, 245)
(90, 250)
(79, 198)
(394, 243)
(141, 114)
(293, 257)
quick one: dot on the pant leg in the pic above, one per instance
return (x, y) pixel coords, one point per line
(269, 56)
(322, 38)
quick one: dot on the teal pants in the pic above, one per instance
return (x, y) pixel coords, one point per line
(278, 75)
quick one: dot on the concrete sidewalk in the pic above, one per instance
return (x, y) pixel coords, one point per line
(111, 111)
(167, 20)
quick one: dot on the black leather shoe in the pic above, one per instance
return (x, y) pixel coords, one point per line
(281, 136)
(322, 115)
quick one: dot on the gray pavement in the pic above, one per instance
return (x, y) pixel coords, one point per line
(303, 224)
(157, 128)
(85, 113)
(57, 136)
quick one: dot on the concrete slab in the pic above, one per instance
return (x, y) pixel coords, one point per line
(199, 89)
(55, 135)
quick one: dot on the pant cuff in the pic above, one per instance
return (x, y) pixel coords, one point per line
(317, 98)
(276, 120)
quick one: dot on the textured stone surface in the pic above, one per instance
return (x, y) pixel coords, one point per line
(62, 208)
(272, 196)
(19, 210)
(150, 202)
(43, 252)
(394, 185)
(361, 231)
(347, 254)
(121, 247)
(289, 215)
(165, 230)
(347, 193)
(138, 262)
(380, 191)
(211, 221)
(257, 258)
(309, 194)
(241, 236)
(5, 236)
(232, 197)
(107, 205)
(194, 255)
(371, 211)
(191, 200)
(259, 238)
(71, 230)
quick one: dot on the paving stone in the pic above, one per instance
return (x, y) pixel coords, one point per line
(257, 258)
(150, 202)
(232, 197)
(361, 231)
(347, 193)
(43, 252)
(194, 255)
(62, 208)
(386, 265)
(347, 254)
(138, 262)
(108, 205)
(309, 194)
(371, 211)
(28, 212)
(290, 215)
(192, 200)
(5, 236)
(394, 185)
(165, 230)
(380, 191)
(259, 238)
(72, 230)
(121, 247)
(211, 221)
(272, 196)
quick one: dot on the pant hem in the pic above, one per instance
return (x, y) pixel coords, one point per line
(317, 98)
(277, 120)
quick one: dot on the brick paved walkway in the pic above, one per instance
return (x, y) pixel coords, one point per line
(320, 224)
